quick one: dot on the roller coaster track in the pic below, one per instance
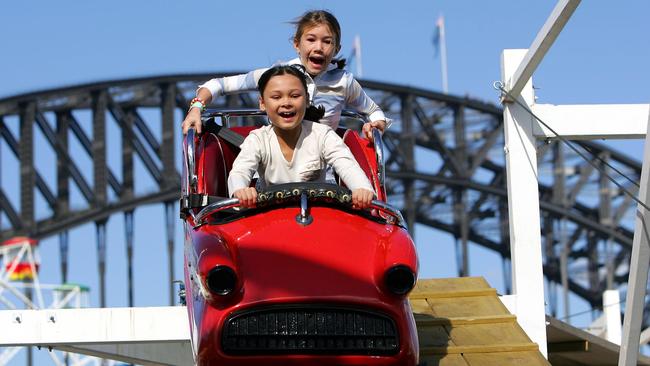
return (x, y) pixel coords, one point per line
(444, 169)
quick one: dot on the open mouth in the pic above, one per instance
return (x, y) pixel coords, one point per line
(317, 60)
(287, 115)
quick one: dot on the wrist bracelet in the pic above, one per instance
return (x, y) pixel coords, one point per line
(197, 104)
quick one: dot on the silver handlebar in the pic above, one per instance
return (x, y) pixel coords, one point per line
(191, 180)
(214, 207)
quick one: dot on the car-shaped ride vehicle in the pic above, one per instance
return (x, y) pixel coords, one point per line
(303, 278)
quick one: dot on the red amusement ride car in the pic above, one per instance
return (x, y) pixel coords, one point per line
(302, 279)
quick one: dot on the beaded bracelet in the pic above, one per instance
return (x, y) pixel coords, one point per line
(197, 102)
(197, 105)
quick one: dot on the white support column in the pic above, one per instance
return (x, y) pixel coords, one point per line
(612, 313)
(639, 264)
(523, 207)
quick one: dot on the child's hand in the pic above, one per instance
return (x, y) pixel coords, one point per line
(367, 128)
(247, 196)
(193, 119)
(361, 198)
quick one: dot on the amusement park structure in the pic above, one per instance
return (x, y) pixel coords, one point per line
(445, 169)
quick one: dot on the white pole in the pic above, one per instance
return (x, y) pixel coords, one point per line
(523, 211)
(612, 312)
(638, 276)
(357, 51)
(443, 54)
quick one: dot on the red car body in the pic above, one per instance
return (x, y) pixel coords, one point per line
(302, 292)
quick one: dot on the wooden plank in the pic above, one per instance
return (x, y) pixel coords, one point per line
(450, 284)
(420, 306)
(458, 293)
(461, 322)
(530, 358)
(443, 360)
(488, 334)
(512, 347)
(479, 306)
(423, 320)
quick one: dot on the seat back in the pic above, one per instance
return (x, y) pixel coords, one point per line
(215, 157)
(364, 152)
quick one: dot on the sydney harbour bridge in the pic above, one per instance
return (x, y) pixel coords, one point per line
(444, 170)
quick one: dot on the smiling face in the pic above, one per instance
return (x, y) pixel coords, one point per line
(316, 47)
(285, 101)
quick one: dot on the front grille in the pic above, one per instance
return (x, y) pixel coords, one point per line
(310, 330)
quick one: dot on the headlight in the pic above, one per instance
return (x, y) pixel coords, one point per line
(399, 279)
(221, 280)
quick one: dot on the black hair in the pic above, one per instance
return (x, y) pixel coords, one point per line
(312, 113)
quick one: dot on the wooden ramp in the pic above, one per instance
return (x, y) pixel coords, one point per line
(461, 322)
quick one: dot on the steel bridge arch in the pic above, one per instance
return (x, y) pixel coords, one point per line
(445, 170)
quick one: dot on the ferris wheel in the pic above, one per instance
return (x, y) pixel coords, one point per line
(20, 288)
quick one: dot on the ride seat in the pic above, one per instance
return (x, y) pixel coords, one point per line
(215, 157)
(363, 151)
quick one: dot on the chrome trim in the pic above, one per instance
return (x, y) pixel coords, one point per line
(191, 179)
(379, 155)
(226, 113)
(212, 208)
(304, 218)
(397, 217)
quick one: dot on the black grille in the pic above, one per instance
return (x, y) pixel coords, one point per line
(310, 330)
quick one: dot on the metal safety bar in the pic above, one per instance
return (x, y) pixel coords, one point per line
(199, 219)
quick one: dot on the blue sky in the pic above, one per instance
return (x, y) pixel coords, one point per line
(602, 56)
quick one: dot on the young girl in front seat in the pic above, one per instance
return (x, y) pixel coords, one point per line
(291, 148)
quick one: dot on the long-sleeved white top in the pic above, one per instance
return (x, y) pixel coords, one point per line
(335, 89)
(317, 146)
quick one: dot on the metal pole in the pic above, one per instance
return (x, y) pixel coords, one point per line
(408, 144)
(101, 261)
(564, 269)
(443, 56)
(128, 231)
(638, 269)
(63, 249)
(170, 218)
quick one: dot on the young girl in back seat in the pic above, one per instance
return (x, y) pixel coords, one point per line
(291, 148)
(317, 40)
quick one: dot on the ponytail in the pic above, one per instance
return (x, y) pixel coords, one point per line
(340, 62)
(314, 113)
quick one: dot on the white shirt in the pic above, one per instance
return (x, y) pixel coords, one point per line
(317, 146)
(335, 89)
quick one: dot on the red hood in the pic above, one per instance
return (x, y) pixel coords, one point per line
(280, 259)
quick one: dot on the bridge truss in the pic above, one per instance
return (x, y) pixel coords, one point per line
(444, 170)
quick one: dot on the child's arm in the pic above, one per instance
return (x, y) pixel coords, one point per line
(361, 102)
(243, 168)
(213, 88)
(232, 84)
(337, 154)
